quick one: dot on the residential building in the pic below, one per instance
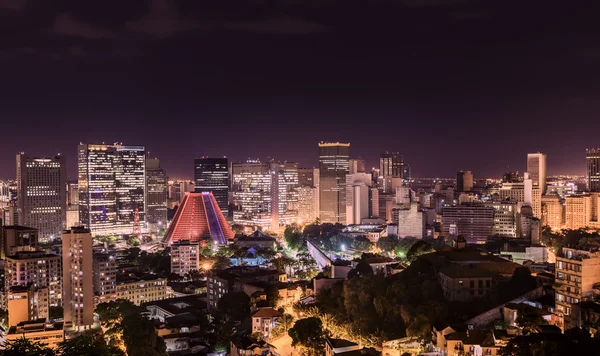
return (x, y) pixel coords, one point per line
(17, 238)
(27, 303)
(184, 257)
(234, 279)
(78, 289)
(247, 346)
(593, 169)
(156, 196)
(464, 181)
(140, 289)
(42, 194)
(35, 268)
(536, 167)
(51, 334)
(112, 183)
(524, 192)
(105, 278)
(475, 222)
(198, 217)
(165, 309)
(553, 212)
(578, 211)
(576, 273)
(333, 168)
(212, 175)
(391, 165)
(264, 320)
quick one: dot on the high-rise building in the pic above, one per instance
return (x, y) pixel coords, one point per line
(536, 167)
(265, 194)
(112, 181)
(185, 257)
(27, 303)
(510, 177)
(307, 177)
(78, 286)
(198, 217)
(156, 196)
(333, 168)
(506, 218)
(553, 212)
(359, 198)
(406, 175)
(42, 194)
(474, 222)
(35, 268)
(176, 190)
(410, 220)
(592, 156)
(523, 192)
(356, 166)
(212, 175)
(391, 165)
(464, 181)
(308, 209)
(105, 278)
(577, 272)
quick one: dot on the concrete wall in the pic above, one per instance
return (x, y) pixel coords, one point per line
(487, 317)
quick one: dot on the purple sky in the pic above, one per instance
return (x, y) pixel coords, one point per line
(450, 84)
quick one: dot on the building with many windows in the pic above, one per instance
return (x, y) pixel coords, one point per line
(506, 218)
(112, 182)
(17, 238)
(212, 175)
(592, 157)
(78, 290)
(42, 194)
(333, 168)
(184, 257)
(474, 222)
(391, 165)
(35, 268)
(141, 289)
(553, 211)
(156, 196)
(536, 167)
(51, 334)
(464, 181)
(105, 278)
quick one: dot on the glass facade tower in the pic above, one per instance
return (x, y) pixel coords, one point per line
(212, 175)
(334, 160)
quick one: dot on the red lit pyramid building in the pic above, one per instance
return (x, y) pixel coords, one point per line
(198, 218)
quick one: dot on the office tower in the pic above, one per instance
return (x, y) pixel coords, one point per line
(536, 167)
(523, 192)
(403, 195)
(73, 193)
(578, 211)
(176, 189)
(17, 238)
(474, 222)
(307, 177)
(307, 204)
(553, 212)
(41, 194)
(358, 198)
(406, 174)
(72, 215)
(592, 157)
(10, 214)
(185, 257)
(577, 272)
(156, 195)
(198, 217)
(410, 220)
(333, 168)
(265, 194)
(506, 218)
(212, 175)
(386, 204)
(35, 268)
(5, 193)
(78, 290)
(510, 177)
(464, 181)
(391, 165)
(105, 278)
(356, 166)
(112, 186)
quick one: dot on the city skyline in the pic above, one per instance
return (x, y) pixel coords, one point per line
(445, 83)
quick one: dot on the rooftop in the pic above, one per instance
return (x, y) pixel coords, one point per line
(337, 343)
(33, 326)
(179, 305)
(136, 277)
(266, 313)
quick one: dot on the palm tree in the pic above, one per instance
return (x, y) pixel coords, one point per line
(26, 347)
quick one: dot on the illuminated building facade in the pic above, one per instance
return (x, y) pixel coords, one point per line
(333, 168)
(184, 257)
(308, 209)
(265, 194)
(198, 218)
(36, 268)
(391, 165)
(139, 290)
(361, 200)
(78, 290)
(474, 222)
(553, 212)
(112, 181)
(41, 194)
(592, 157)
(212, 175)
(156, 195)
(536, 167)
(105, 278)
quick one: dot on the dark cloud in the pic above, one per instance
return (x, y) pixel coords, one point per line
(18, 5)
(164, 19)
(68, 24)
(284, 25)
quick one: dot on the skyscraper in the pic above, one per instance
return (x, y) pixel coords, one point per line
(333, 168)
(78, 290)
(156, 195)
(593, 169)
(536, 167)
(464, 181)
(212, 175)
(42, 194)
(391, 165)
(111, 187)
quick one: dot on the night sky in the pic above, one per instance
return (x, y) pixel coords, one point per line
(451, 84)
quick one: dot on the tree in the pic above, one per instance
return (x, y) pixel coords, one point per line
(388, 243)
(309, 334)
(88, 345)
(140, 338)
(273, 296)
(420, 328)
(528, 318)
(235, 305)
(26, 347)
(293, 236)
(362, 243)
(312, 230)
(237, 229)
